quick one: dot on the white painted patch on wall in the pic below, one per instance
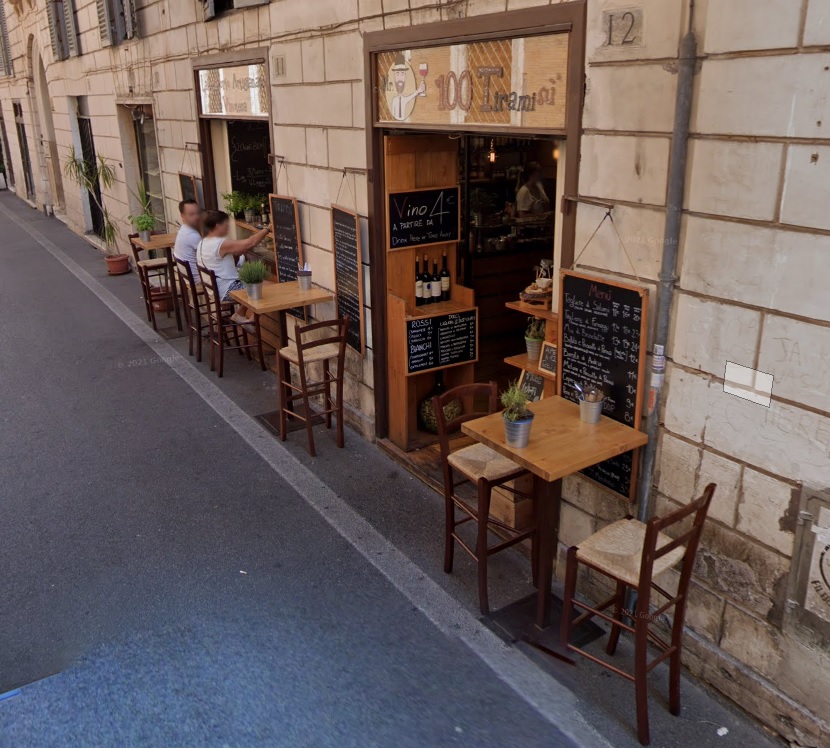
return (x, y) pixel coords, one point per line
(749, 384)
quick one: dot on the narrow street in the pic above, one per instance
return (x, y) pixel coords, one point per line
(173, 575)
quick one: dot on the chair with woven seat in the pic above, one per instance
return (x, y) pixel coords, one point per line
(195, 306)
(304, 351)
(486, 469)
(150, 271)
(220, 326)
(633, 554)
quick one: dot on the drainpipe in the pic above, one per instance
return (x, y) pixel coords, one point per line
(671, 241)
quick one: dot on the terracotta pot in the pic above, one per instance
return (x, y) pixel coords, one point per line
(163, 305)
(117, 264)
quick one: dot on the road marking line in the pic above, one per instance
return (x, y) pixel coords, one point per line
(552, 700)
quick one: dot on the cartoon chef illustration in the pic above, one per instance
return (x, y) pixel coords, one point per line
(403, 77)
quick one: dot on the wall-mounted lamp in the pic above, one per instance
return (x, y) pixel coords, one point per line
(492, 156)
(556, 153)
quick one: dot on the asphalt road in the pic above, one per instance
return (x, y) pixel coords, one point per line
(170, 585)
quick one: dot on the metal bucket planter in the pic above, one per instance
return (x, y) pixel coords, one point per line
(517, 434)
(534, 349)
(144, 235)
(249, 216)
(254, 290)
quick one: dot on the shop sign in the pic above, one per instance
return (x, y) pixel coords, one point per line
(239, 91)
(512, 83)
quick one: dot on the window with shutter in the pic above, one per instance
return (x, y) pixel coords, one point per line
(249, 3)
(130, 25)
(106, 22)
(71, 28)
(6, 66)
(210, 9)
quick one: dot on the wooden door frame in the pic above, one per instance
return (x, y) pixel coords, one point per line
(567, 17)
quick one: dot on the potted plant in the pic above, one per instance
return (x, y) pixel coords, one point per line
(235, 203)
(93, 177)
(144, 221)
(144, 224)
(252, 274)
(253, 206)
(517, 417)
(534, 337)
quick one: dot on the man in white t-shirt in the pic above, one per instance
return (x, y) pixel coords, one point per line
(188, 238)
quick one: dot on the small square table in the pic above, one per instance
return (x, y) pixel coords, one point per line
(164, 242)
(279, 298)
(560, 444)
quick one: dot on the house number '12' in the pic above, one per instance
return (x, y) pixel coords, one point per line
(623, 28)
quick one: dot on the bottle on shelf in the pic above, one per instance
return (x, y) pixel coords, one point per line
(445, 279)
(427, 279)
(419, 283)
(435, 285)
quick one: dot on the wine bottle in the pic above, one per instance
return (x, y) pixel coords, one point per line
(427, 280)
(419, 284)
(435, 285)
(445, 279)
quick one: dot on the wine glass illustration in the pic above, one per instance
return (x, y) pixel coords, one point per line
(423, 69)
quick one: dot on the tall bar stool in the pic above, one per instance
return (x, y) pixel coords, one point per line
(304, 351)
(486, 469)
(152, 270)
(220, 325)
(632, 554)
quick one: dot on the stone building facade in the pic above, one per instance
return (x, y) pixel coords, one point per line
(754, 250)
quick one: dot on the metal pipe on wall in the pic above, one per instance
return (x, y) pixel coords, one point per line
(687, 61)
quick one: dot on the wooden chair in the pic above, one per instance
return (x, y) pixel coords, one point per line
(195, 306)
(632, 554)
(220, 325)
(302, 352)
(486, 469)
(152, 270)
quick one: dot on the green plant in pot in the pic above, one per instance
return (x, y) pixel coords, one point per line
(252, 274)
(517, 417)
(534, 338)
(94, 177)
(144, 221)
(235, 203)
(253, 206)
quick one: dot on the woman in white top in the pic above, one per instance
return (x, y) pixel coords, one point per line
(218, 254)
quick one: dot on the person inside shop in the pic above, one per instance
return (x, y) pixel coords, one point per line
(219, 254)
(531, 198)
(189, 235)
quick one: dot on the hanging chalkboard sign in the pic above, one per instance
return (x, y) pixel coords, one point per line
(285, 231)
(248, 149)
(417, 218)
(348, 272)
(441, 341)
(187, 183)
(192, 189)
(602, 342)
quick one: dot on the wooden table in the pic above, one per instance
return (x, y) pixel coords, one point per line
(165, 242)
(279, 298)
(560, 444)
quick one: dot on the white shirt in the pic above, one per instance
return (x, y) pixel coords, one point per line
(187, 241)
(224, 266)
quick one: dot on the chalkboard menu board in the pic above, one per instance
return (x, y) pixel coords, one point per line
(441, 341)
(248, 148)
(532, 384)
(602, 342)
(423, 217)
(348, 273)
(192, 189)
(285, 231)
(187, 183)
